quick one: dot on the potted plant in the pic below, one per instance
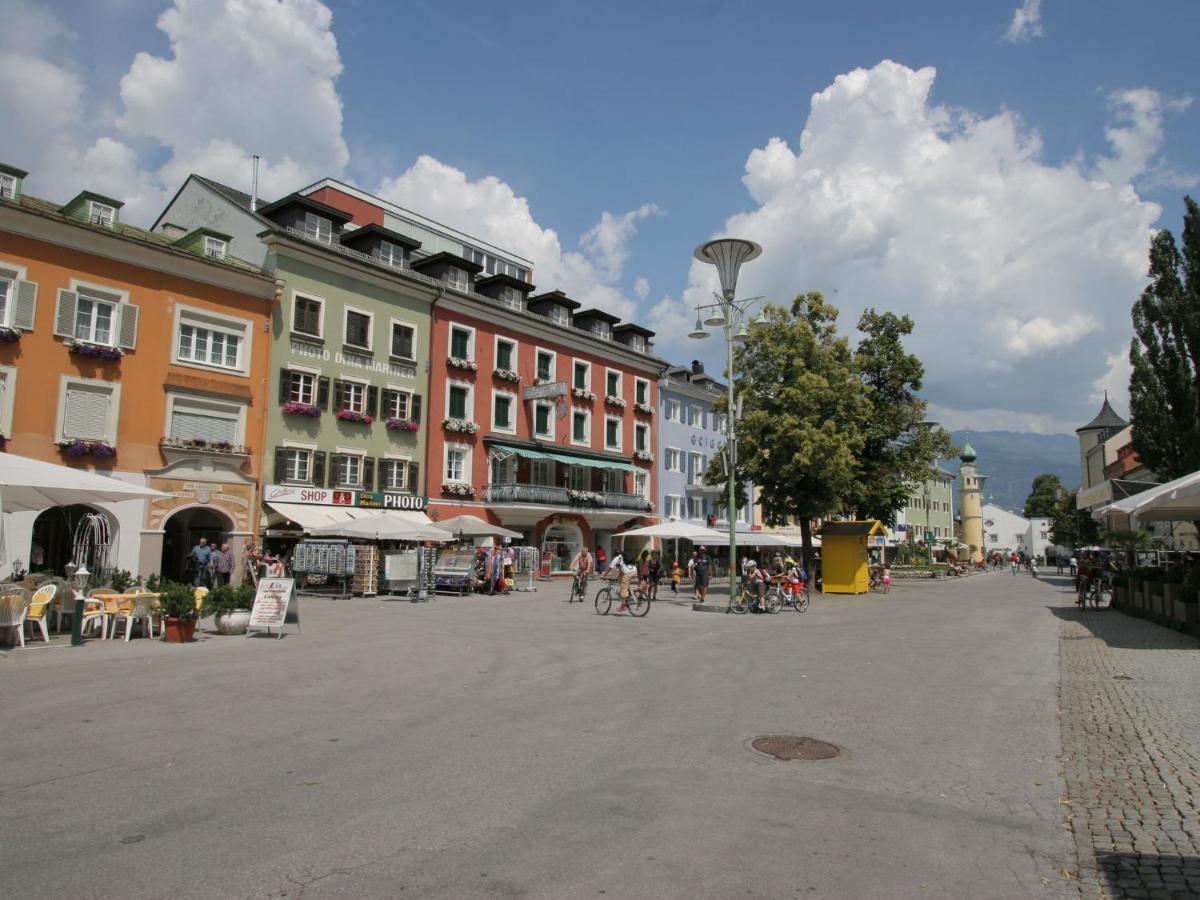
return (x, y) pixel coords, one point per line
(178, 604)
(230, 606)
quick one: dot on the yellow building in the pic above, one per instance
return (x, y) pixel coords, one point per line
(970, 505)
(845, 565)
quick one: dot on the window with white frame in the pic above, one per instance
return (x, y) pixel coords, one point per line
(673, 503)
(393, 474)
(695, 507)
(542, 472)
(511, 297)
(397, 403)
(206, 344)
(641, 436)
(671, 411)
(641, 485)
(614, 481)
(303, 387)
(297, 465)
(462, 342)
(194, 418)
(506, 354)
(457, 465)
(581, 478)
(721, 422)
(214, 247)
(96, 316)
(545, 365)
(358, 329)
(404, 340)
(612, 383)
(8, 390)
(559, 314)
(641, 391)
(317, 228)
(391, 254)
(348, 470)
(602, 330)
(8, 186)
(456, 277)
(582, 375)
(612, 433)
(101, 214)
(8, 280)
(695, 468)
(354, 396)
(504, 407)
(543, 419)
(695, 415)
(503, 471)
(637, 342)
(674, 459)
(458, 401)
(308, 314)
(88, 410)
(581, 426)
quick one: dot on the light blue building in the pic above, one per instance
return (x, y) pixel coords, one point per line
(690, 436)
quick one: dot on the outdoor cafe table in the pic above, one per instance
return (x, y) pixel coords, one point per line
(118, 603)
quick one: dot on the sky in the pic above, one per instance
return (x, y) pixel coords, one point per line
(994, 169)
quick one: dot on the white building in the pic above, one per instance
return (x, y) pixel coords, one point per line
(1007, 531)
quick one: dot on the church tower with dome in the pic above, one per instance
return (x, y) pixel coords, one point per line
(970, 502)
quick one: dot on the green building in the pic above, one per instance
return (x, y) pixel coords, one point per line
(929, 510)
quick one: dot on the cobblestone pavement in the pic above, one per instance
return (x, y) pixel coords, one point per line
(1129, 701)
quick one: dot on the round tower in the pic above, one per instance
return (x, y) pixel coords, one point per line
(970, 504)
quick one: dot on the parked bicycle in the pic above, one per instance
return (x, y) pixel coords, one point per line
(638, 604)
(1097, 591)
(795, 594)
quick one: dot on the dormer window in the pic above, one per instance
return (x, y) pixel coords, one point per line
(511, 297)
(391, 254)
(101, 214)
(317, 228)
(214, 247)
(603, 330)
(456, 277)
(560, 315)
(8, 186)
(638, 343)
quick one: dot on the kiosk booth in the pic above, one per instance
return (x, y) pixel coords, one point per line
(845, 558)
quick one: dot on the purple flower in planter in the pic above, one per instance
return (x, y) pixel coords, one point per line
(349, 415)
(104, 450)
(401, 425)
(9, 335)
(96, 351)
(293, 408)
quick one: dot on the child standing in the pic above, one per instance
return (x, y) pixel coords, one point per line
(887, 579)
(676, 577)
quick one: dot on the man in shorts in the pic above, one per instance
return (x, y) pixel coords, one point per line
(701, 569)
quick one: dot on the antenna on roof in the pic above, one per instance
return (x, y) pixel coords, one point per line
(254, 187)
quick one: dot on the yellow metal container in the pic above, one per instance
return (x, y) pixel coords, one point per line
(845, 564)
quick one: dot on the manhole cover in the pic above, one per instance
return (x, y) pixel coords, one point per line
(788, 746)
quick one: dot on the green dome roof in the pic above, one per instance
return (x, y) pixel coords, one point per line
(967, 454)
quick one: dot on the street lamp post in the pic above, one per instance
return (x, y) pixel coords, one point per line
(729, 314)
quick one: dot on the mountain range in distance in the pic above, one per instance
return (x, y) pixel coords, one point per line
(1012, 459)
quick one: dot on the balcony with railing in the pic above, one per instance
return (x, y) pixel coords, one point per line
(548, 495)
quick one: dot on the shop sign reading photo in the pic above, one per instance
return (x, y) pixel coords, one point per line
(291, 493)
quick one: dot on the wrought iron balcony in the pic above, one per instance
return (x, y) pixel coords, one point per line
(547, 495)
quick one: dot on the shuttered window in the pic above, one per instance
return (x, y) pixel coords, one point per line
(86, 412)
(302, 385)
(397, 404)
(6, 295)
(94, 319)
(458, 402)
(307, 316)
(348, 470)
(403, 337)
(188, 425)
(358, 329)
(460, 343)
(393, 475)
(296, 464)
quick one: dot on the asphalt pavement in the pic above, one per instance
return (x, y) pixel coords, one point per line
(517, 746)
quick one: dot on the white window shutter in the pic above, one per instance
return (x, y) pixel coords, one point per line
(86, 414)
(187, 425)
(64, 314)
(128, 331)
(25, 310)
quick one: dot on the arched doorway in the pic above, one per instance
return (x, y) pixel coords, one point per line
(183, 530)
(563, 539)
(53, 543)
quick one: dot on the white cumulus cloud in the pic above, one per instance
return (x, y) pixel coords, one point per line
(1026, 23)
(1018, 273)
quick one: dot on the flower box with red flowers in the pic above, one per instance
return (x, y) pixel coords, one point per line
(94, 351)
(349, 415)
(295, 408)
(402, 425)
(9, 335)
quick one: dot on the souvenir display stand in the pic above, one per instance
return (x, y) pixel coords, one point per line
(325, 567)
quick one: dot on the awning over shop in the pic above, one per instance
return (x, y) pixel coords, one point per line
(593, 462)
(309, 516)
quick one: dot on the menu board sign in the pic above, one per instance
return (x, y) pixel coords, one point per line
(272, 602)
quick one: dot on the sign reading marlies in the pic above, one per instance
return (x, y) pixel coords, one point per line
(271, 604)
(545, 391)
(290, 493)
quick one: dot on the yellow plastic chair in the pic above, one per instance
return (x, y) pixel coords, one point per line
(40, 607)
(199, 594)
(14, 603)
(140, 609)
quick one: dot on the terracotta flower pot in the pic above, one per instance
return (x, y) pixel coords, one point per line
(179, 631)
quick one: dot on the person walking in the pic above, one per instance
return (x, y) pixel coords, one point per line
(223, 563)
(676, 577)
(200, 557)
(655, 573)
(887, 579)
(701, 568)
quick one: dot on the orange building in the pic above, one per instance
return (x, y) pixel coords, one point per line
(135, 354)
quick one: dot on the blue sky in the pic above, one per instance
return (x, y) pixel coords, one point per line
(655, 113)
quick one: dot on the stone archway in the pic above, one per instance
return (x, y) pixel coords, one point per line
(182, 530)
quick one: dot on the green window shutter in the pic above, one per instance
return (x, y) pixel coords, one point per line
(285, 386)
(280, 465)
(368, 473)
(372, 401)
(414, 478)
(388, 402)
(414, 410)
(323, 392)
(25, 310)
(458, 403)
(64, 314)
(318, 469)
(127, 329)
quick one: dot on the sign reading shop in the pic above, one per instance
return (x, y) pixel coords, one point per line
(292, 493)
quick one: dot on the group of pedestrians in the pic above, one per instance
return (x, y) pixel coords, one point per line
(647, 569)
(211, 565)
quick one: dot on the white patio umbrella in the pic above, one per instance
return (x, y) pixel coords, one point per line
(1175, 501)
(28, 485)
(685, 530)
(473, 526)
(382, 527)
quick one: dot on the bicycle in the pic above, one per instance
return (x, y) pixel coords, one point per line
(578, 587)
(638, 603)
(875, 574)
(747, 598)
(796, 596)
(1098, 591)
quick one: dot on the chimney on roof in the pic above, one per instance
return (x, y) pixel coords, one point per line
(697, 367)
(254, 187)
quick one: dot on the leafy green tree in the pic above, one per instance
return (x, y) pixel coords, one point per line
(804, 412)
(1044, 496)
(1129, 540)
(1071, 527)
(897, 451)
(1164, 389)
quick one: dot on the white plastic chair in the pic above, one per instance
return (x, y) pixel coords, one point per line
(14, 604)
(142, 611)
(39, 610)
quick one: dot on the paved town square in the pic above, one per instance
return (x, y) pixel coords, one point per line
(518, 746)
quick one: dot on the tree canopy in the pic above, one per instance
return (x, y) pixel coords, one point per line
(1071, 527)
(1164, 389)
(1044, 496)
